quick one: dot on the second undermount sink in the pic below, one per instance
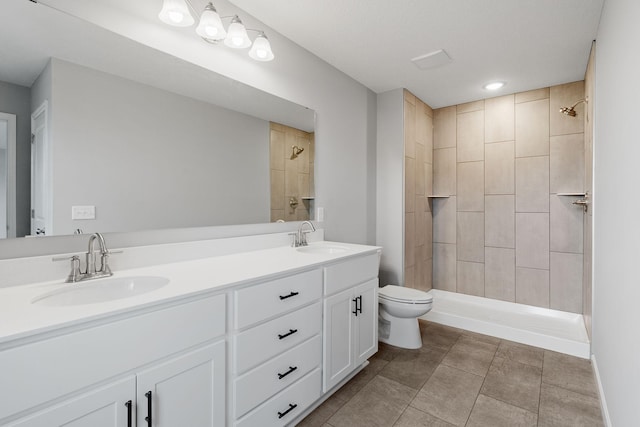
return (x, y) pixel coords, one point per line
(323, 248)
(101, 290)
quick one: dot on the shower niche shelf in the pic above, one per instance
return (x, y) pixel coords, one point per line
(572, 194)
(438, 196)
(308, 198)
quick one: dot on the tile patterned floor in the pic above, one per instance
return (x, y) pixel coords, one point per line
(459, 378)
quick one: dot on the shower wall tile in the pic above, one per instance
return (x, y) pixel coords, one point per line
(419, 170)
(444, 266)
(532, 287)
(470, 236)
(566, 282)
(444, 220)
(532, 184)
(500, 274)
(277, 190)
(499, 119)
(532, 95)
(291, 178)
(566, 231)
(500, 221)
(532, 128)
(419, 279)
(428, 273)
(428, 252)
(277, 214)
(444, 171)
(444, 127)
(428, 179)
(421, 123)
(409, 239)
(566, 95)
(409, 277)
(409, 129)
(428, 142)
(421, 221)
(567, 163)
(470, 143)
(409, 184)
(532, 240)
(303, 158)
(470, 186)
(470, 106)
(276, 150)
(470, 279)
(499, 168)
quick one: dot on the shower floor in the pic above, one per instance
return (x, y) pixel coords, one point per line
(541, 327)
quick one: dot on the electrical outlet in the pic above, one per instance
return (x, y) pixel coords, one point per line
(83, 212)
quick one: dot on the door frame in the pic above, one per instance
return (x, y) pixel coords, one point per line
(11, 173)
(47, 205)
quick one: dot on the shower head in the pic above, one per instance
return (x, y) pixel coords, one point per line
(296, 151)
(570, 111)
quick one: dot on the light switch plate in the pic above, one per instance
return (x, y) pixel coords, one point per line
(83, 212)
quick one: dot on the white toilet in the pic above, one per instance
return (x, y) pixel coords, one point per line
(399, 309)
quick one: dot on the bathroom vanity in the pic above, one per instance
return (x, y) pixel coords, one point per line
(249, 339)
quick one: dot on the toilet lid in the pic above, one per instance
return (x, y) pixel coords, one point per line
(403, 294)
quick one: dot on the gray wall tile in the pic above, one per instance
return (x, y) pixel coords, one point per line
(444, 266)
(499, 119)
(470, 186)
(444, 127)
(566, 231)
(471, 278)
(444, 171)
(444, 220)
(470, 129)
(567, 163)
(532, 287)
(532, 184)
(500, 221)
(532, 128)
(499, 168)
(532, 240)
(566, 282)
(470, 240)
(500, 274)
(566, 95)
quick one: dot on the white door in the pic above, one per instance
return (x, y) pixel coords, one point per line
(7, 175)
(366, 324)
(109, 406)
(186, 391)
(40, 174)
(338, 338)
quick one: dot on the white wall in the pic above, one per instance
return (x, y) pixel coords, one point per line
(390, 185)
(150, 159)
(616, 317)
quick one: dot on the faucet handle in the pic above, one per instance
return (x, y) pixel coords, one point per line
(104, 262)
(75, 274)
(294, 240)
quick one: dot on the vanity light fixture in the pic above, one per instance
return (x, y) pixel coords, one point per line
(494, 85)
(210, 28)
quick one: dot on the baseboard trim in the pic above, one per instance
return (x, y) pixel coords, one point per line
(603, 402)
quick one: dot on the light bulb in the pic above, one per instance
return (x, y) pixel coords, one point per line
(210, 26)
(494, 85)
(261, 49)
(237, 36)
(176, 13)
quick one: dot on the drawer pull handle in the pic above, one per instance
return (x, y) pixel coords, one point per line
(291, 332)
(292, 406)
(291, 369)
(358, 307)
(128, 404)
(149, 408)
(292, 294)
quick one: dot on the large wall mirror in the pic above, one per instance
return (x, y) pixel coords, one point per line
(114, 136)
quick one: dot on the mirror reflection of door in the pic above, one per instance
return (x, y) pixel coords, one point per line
(7, 175)
(40, 170)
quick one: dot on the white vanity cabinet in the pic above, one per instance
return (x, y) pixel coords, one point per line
(350, 317)
(176, 353)
(277, 349)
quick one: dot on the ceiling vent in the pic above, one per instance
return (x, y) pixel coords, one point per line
(433, 59)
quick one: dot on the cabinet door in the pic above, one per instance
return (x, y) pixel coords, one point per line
(186, 391)
(338, 338)
(103, 407)
(366, 322)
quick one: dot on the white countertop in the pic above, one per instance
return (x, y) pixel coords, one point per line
(19, 318)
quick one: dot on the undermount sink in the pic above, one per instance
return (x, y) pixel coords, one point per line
(101, 290)
(321, 248)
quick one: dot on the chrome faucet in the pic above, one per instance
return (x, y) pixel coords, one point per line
(90, 272)
(300, 236)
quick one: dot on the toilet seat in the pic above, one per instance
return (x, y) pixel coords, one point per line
(401, 294)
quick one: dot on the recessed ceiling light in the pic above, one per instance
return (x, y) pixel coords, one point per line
(493, 85)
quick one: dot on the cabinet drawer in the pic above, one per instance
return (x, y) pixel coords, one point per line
(261, 343)
(350, 273)
(41, 371)
(259, 384)
(294, 399)
(262, 301)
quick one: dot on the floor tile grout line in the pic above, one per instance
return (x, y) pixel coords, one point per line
(482, 385)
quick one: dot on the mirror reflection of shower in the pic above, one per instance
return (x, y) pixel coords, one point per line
(296, 151)
(570, 111)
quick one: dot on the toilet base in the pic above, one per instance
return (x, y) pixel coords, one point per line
(402, 332)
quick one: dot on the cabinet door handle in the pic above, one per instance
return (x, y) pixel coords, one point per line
(291, 332)
(291, 369)
(128, 404)
(292, 406)
(359, 304)
(149, 408)
(355, 310)
(292, 294)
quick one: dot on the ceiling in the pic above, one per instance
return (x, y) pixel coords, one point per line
(528, 44)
